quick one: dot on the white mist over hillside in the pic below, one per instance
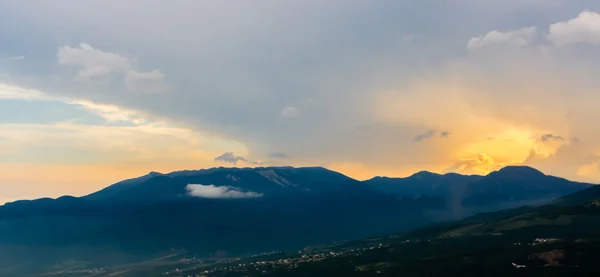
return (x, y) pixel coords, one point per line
(212, 191)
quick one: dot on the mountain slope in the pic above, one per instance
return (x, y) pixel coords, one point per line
(519, 184)
(510, 186)
(424, 183)
(586, 195)
(547, 240)
(269, 181)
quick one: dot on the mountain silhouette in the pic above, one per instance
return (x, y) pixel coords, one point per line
(268, 181)
(511, 184)
(290, 208)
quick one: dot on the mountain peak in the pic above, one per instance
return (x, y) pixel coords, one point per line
(522, 170)
(424, 174)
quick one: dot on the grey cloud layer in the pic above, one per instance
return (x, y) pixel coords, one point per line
(99, 67)
(301, 77)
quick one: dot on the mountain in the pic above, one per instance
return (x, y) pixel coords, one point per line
(137, 219)
(509, 186)
(519, 184)
(546, 240)
(424, 183)
(582, 196)
(237, 211)
(268, 181)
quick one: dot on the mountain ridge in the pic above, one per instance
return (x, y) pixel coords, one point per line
(428, 176)
(288, 208)
(510, 182)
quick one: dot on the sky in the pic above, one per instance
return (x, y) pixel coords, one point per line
(96, 92)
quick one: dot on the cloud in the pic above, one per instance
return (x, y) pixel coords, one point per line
(585, 28)
(98, 66)
(16, 58)
(212, 191)
(531, 157)
(480, 164)
(112, 113)
(289, 112)
(13, 92)
(146, 82)
(229, 157)
(520, 37)
(279, 155)
(551, 137)
(429, 134)
(590, 170)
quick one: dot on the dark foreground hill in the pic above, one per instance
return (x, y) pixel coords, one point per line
(548, 240)
(223, 212)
